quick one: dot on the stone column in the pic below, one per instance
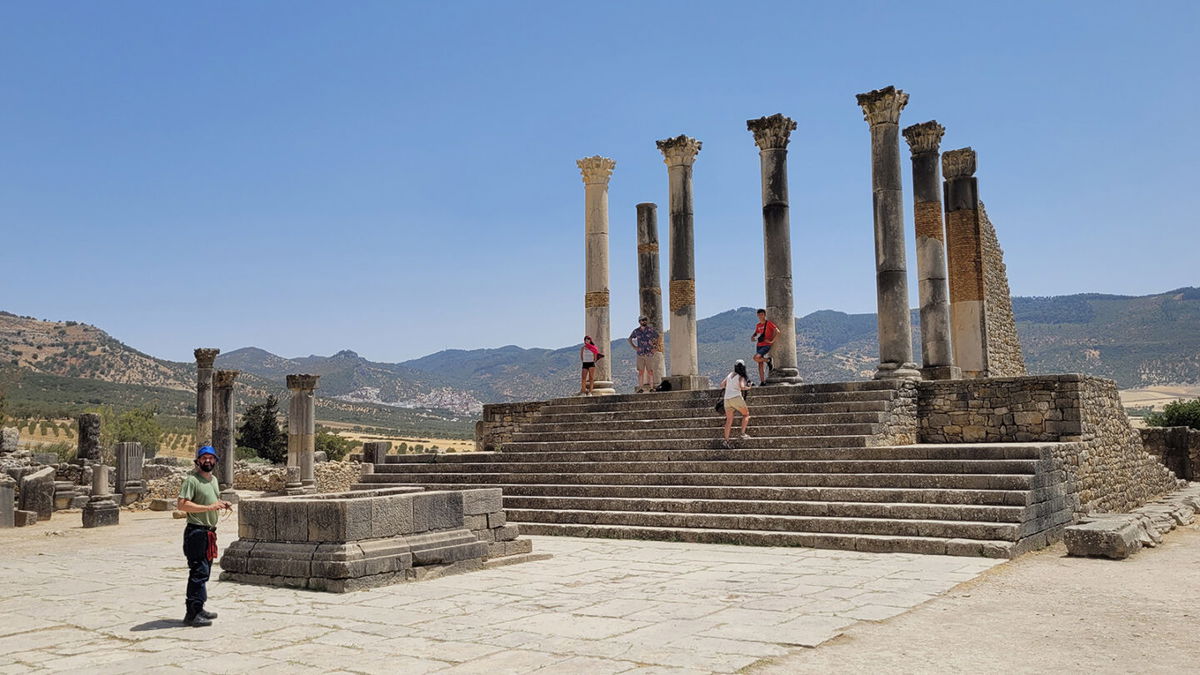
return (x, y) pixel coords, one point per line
(8, 507)
(596, 172)
(100, 509)
(88, 447)
(649, 284)
(130, 458)
(771, 135)
(881, 109)
(679, 153)
(223, 425)
(302, 427)
(937, 358)
(204, 381)
(964, 248)
(375, 452)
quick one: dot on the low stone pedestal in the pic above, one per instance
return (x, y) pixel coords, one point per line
(101, 510)
(24, 518)
(353, 540)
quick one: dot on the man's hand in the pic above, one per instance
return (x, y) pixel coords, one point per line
(219, 505)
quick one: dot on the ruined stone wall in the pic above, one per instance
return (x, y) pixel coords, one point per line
(1177, 448)
(900, 421)
(1004, 357)
(1106, 465)
(500, 421)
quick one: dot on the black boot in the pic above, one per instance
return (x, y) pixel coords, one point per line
(206, 614)
(196, 619)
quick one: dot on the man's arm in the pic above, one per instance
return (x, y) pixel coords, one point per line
(188, 506)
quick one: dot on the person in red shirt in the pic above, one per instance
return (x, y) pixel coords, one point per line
(764, 336)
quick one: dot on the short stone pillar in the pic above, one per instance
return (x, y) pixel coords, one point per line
(130, 459)
(204, 405)
(100, 509)
(37, 493)
(679, 154)
(8, 507)
(596, 172)
(649, 283)
(964, 249)
(223, 424)
(375, 452)
(10, 438)
(292, 484)
(302, 427)
(88, 445)
(937, 357)
(881, 109)
(771, 135)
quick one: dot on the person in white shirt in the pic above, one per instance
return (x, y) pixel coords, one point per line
(734, 384)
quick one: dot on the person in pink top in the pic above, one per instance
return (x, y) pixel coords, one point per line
(589, 354)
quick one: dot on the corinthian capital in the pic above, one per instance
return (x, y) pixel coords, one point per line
(205, 356)
(681, 150)
(771, 132)
(883, 106)
(596, 169)
(302, 382)
(223, 379)
(958, 163)
(924, 137)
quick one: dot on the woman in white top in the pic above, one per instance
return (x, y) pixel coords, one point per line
(734, 384)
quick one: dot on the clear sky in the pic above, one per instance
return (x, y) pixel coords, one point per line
(399, 178)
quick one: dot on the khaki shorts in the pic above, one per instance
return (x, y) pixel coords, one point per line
(645, 362)
(737, 403)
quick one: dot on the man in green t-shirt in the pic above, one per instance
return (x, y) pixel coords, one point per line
(200, 499)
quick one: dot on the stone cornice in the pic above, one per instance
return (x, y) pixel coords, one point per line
(883, 106)
(680, 150)
(771, 132)
(223, 379)
(596, 169)
(205, 356)
(958, 163)
(302, 382)
(924, 137)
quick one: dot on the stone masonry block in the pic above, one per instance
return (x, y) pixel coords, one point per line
(24, 518)
(326, 519)
(358, 519)
(497, 519)
(256, 519)
(475, 522)
(392, 516)
(37, 493)
(482, 501)
(437, 510)
(507, 532)
(1115, 538)
(291, 524)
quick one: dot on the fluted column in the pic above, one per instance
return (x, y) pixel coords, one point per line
(223, 424)
(302, 426)
(964, 248)
(596, 172)
(881, 109)
(679, 153)
(771, 135)
(649, 284)
(204, 404)
(937, 357)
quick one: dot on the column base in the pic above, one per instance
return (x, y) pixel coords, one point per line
(941, 373)
(688, 382)
(783, 376)
(897, 371)
(603, 388)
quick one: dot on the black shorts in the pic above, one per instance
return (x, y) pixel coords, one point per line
(587, 364)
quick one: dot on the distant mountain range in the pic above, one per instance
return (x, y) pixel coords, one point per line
(1137, 341)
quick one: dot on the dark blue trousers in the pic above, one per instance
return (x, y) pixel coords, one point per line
(195, 549)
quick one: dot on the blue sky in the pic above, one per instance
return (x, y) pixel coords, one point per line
(399, 178)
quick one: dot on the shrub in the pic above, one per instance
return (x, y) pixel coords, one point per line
(64, 450)
(260, 430)
(1177, 414)
(335, 447)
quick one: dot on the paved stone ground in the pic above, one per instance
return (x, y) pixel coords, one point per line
(111, 599)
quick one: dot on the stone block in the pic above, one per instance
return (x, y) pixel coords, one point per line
(444, 547)
(78, 502)
(438, 510)
(24, 518)
(256, 520)
(358, 519)
(291, 521)
(9, 440)
(326, 519)
(1115, 538)
(497, 519)
(7, 503)
(475, 522)
(37, 493)
(507, 532)
(168, 504)
(101, 512)
(482, 501)
(392, 516)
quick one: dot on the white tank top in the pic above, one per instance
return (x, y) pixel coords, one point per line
(733, 386)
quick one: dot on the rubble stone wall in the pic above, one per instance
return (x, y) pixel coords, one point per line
(1178, 448)
(900, 421)
(500, 421)
(1004, 357)
(1106, 465)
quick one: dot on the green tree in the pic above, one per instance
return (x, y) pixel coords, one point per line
(335, 447)
(260, 430)
(1176, 414)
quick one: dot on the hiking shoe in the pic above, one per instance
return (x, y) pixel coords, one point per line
(726, 444)
(745, 436)
(196, 620)
(207, 614)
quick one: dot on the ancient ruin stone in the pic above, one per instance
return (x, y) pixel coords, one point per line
(89, 437)
(9, 438)
(37, 493)
(8, 489)
(100, 510)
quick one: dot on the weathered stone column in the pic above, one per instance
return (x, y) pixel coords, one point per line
(130, 460)
(937, 358)
(679, 153)
(302, 426)
(223, 425)
(596, 172)
(881, 109)
(88, 445)
(771, 135)
(964, 248)
(100, 509)
(204, 381)
(649, 283)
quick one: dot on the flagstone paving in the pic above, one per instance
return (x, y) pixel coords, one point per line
(112, 599)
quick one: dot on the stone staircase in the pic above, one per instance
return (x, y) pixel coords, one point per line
(820, 471)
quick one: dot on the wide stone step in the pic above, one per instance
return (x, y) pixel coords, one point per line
(804, 389)
(611, 404)
(691, 443)
(836, 525)
(869, 480)
(907, 511)
(708, 431)
(650, 412)
(837, 466)
(845, 542)
(709, 419)
(1019, 497)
